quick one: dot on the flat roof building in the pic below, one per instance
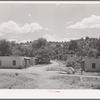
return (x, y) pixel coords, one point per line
(14, 62)
(91, 64)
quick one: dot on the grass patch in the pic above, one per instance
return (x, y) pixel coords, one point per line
(71, 82)
(16, 81)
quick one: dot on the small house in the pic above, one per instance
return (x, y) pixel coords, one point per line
(14, 62)
(91, 64)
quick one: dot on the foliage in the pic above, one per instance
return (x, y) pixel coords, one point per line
(73, 64)
(51, 50)
(5, 47)
(73, 45)
(39, 43)
(43, 56)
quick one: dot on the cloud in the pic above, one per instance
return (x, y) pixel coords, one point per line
(53, 38)
(1, 34)
(68, 39)
(90, 22)
(10, 27)
(13, 27)
(46, 29)
(49, 37)
(13, 40)
(24, 41)
(31, 28)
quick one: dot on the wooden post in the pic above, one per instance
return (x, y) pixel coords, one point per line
(82, 67)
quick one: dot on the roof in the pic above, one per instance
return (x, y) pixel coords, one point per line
(26, 58)
(14, 57)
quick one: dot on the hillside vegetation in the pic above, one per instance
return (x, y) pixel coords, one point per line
(46, 51)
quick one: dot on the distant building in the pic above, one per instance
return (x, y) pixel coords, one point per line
(91, 64)
(15, 62)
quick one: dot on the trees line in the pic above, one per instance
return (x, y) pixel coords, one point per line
(45, 50)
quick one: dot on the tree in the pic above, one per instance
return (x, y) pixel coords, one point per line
(92, 53)
(43, 56)
(41, 42)
(38, 44)
(87, 38)
(5, 48)
(73, 45)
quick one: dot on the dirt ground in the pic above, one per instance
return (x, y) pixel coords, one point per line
(37, 77)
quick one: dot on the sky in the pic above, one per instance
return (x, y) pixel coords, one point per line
(55, 22)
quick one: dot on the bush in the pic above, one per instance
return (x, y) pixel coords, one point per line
(41, 60)
(72, 64)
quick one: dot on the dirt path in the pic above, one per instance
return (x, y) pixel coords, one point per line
(37, 77)
(30, 76)
(44, 77)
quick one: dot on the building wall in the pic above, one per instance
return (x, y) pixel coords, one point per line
(88, 64)
(7, 61)
(25, 63)
(32, 60)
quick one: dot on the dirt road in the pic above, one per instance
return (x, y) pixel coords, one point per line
(33, 77)
(37, 77)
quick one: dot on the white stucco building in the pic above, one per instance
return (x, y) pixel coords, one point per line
(14, 62)
(91, 64)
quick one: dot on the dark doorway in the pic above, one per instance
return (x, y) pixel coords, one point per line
(93, 65)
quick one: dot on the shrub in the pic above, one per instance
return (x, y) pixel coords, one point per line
(72, 64)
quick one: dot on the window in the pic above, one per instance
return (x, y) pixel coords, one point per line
(0, 63)
(14, 62)
(93, 65)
